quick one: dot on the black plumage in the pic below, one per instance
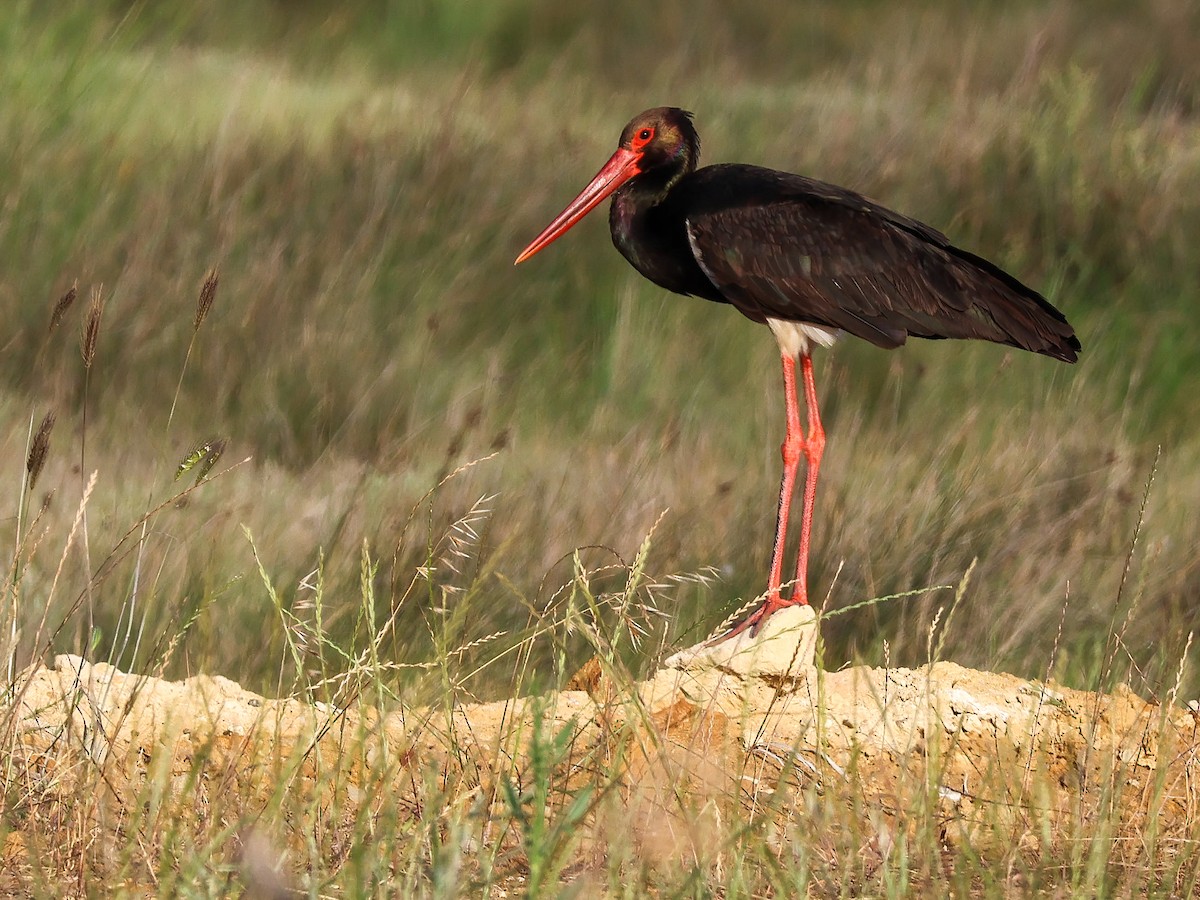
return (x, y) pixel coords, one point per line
(782, 246)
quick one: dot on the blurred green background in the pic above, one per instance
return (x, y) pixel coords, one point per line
(362, 177)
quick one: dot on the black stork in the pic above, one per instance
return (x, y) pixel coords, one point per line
(808, 259)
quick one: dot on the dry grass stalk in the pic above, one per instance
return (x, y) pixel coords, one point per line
(64, 303)
(208, 294)
(39, 448)
(91, 327)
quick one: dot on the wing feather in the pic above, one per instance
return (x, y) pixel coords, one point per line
(787, 247)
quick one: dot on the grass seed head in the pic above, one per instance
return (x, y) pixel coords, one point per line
(208, 294)
(91, 327)
(63, 304)
(202, 458)
(39, 448)
(216, 449)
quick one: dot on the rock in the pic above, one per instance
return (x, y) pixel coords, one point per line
(715, 729)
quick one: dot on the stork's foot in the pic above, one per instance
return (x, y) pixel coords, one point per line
(753, 623)
(773, 640)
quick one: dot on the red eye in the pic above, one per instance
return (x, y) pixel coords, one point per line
(643, 137)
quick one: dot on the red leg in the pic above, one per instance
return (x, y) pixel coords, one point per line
(814, 449)
(793, 445)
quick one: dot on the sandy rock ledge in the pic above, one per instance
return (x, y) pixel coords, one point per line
(1001, 759)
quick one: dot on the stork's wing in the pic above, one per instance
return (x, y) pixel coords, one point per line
(798, 249)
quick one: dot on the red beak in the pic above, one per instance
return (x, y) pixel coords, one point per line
(620, 167)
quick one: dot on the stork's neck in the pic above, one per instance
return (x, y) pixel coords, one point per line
(659, 174)
(650, 230)
(642, 193)
(632, 205)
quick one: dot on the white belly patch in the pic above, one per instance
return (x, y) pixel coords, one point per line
(797, 338)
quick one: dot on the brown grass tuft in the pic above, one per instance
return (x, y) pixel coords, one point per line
(208, 294)
(91, 327)
(39, 448)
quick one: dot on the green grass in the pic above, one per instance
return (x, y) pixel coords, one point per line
(363, 178)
